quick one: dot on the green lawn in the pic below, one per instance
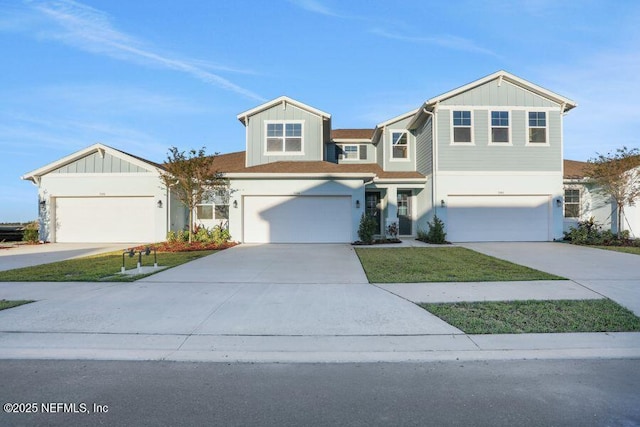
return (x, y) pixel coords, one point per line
(626, 249)
(96, 268)
(451, 264)
(517, 317)
(4, 304)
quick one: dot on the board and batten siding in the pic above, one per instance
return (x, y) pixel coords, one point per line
(495, 93)
(96, 163)
(312, 134)
(424, 148)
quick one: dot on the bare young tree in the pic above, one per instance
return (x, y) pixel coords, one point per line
(616, 174)
(191, 178)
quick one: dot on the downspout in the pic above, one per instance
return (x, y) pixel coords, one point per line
(433, 161)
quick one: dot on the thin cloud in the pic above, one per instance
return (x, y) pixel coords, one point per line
(315, 7)
(447, 41)
(90, 29)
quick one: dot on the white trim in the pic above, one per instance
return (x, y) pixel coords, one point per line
(284, 123)
(352, 175)
(357, 159)
(494, 107)
(282, 99)
(472, 131)
(509, 128)
(85, 152)
(408, 135)
(397, 119)
(546, 129)
(500, 173)
(510, 78)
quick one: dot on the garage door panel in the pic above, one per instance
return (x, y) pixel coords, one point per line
(498, 218)
(104, 219)
(297, 219)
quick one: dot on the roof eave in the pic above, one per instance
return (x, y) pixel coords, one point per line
(281, 99)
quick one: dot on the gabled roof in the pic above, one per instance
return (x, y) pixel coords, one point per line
(284, 100)
(574, 169)
(95, 148)
(356, 134)
(566, 103)
(380, 126)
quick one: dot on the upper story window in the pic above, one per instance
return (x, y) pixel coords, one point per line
(462, 127)
(499, 126)
(399, 145)
(537, 127)
(571, 203)
(353, 152)
(283, 138)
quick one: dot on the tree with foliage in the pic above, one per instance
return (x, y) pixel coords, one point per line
(191, 178)
(616, 174)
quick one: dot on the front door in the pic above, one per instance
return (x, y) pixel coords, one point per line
(372, 207)
(404, 212)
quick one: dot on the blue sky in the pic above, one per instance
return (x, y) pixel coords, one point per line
(143, 75)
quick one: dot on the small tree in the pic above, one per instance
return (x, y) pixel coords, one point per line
(191, 178)
(614, 175)
(367, 228)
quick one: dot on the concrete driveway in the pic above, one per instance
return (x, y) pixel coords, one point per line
(615, 275)
(31, 255)
(252, 290)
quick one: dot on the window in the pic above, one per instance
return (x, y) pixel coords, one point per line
(499, 126)
(352, 152)
(572, 203)
(537, 127)
(400, 145)
(284, 138)
(462, 127)
(216, 207)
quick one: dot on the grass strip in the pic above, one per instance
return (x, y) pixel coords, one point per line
(626, 249)
(453, 264)
(4, 304)
(519, 317)
(96, 268)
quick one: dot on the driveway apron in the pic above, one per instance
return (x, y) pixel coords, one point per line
(248, 290)
(614, 275)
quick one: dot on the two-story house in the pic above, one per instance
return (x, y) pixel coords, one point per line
(486, 158)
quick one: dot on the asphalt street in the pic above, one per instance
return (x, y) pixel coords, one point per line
(494, 393)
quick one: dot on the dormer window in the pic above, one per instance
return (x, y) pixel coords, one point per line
(283, 138)
(399, 145)
(352, 152)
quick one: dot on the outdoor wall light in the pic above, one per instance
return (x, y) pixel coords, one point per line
(159, 204)
(235, 204)
(442, 203)
(559, 203)
(357, 204)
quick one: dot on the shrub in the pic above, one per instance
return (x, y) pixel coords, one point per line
(31, 232)
(436, 233)
(589, 232)
(367, 228)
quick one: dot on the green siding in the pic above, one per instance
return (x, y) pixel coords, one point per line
(400, 165)
(312, 135)
(507, 94)
(485, 157)
(424, 148)
(95, 163)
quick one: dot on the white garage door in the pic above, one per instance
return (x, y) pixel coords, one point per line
(104, 219)
(297, 219)
(498, 218)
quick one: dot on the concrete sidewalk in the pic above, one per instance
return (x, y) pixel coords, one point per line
(229, 307)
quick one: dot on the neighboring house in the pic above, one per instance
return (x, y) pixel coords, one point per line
(486, 158)
(582, 201)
